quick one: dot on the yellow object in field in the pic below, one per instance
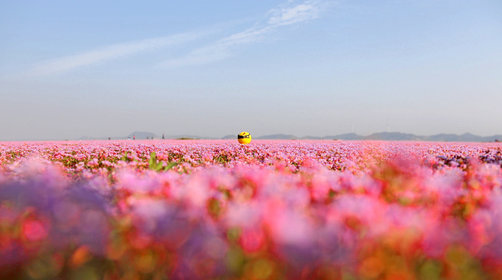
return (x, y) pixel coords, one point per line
(244, 137)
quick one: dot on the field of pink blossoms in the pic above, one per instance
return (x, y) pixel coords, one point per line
(270, 210)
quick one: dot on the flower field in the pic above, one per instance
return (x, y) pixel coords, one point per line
(204, 209)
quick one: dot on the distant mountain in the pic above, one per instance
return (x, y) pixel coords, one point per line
(142, 135)
(466, 137)
(493, 138)
(277, 136)
(389, 136)
(443, 137)
(392, 136)
(185, 136)
(311, 137)
(346, 136)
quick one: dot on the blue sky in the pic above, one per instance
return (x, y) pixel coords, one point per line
(212, 68)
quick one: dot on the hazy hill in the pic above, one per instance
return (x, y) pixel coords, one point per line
(142, 135)
(346, 136)
(277, 136)
(185, 136)
(389, 136)
(311, 137)
(493, 138)
(392, 136)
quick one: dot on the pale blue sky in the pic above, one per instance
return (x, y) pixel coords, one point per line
(212, 68)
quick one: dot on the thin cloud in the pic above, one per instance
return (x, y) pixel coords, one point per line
(308, 10)
(293, 13)
(72, 62)
(218, 50)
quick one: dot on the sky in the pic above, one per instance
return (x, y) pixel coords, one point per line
(71, 69)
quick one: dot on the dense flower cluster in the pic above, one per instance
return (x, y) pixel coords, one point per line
(269, 210)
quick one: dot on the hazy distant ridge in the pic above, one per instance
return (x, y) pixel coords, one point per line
(390, 136)
(395, 136)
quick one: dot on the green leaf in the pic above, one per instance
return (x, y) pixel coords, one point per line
(153, 160)
(124, 157)
(170, 165)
